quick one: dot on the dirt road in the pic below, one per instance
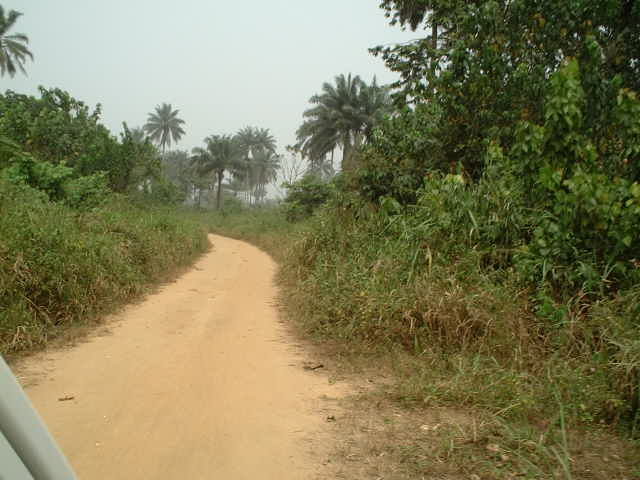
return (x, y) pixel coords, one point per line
(199, 381)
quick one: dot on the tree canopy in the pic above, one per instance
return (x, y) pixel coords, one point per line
(220, 154)
(164, 126)
(343, 116)
(487, 62)
(60, 130)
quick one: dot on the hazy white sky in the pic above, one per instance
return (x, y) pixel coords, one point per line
(223, 64)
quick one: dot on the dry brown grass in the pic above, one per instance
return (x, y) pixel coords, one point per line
(380, 437)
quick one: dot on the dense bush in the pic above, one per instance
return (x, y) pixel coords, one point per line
(402, 151)
(60, 131)
(438, 280)
(305, 196)
(486, 63)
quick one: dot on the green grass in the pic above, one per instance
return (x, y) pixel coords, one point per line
(60, 267)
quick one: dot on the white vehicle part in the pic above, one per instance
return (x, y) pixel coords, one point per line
(11, 467)
(22, 430)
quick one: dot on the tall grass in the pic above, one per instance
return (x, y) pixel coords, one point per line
(419, 280)
(60, 267)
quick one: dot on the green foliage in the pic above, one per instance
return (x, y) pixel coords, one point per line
(587, 241)
(259, 163)
(438, 280)
(57, 181)
(519, 264)
(401, 153)
(491, 229)
(60, 267)
(161, 192)
(571, 185)
(584, 190)
(486, 64)
(305, 196)
(222, 153)
(232, 205)
(45, 176)
(60, 130)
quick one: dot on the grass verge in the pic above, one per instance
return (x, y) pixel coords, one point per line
(60, 267)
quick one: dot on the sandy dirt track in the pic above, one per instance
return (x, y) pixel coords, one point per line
(199, 381)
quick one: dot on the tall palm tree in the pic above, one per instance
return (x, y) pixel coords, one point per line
(253, 142)
(220, 154)
(343, 116)
(265, 167)
(318, 135)
(333, 120)
(13, 48)
(164, 126)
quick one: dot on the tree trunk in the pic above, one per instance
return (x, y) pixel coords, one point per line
(434, 46)
(434, 35)
(219, 192)
(346, 151)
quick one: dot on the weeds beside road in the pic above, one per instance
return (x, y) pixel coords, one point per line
(60, 267)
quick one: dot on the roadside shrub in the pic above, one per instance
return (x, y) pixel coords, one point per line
(437, 280)
(586, 194)
(305, 196)
(402, 152)
(232, 205)
(56, 129)
(57, 181)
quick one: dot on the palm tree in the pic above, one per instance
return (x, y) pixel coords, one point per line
(256, 139)
(252, 142)
(138, 135)
(220, 154)
(163, 126)
(13, 48)
(344, 116)
(318, 135)
(265, 167)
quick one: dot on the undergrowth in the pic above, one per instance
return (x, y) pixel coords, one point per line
(60, 266)
(389, 280)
